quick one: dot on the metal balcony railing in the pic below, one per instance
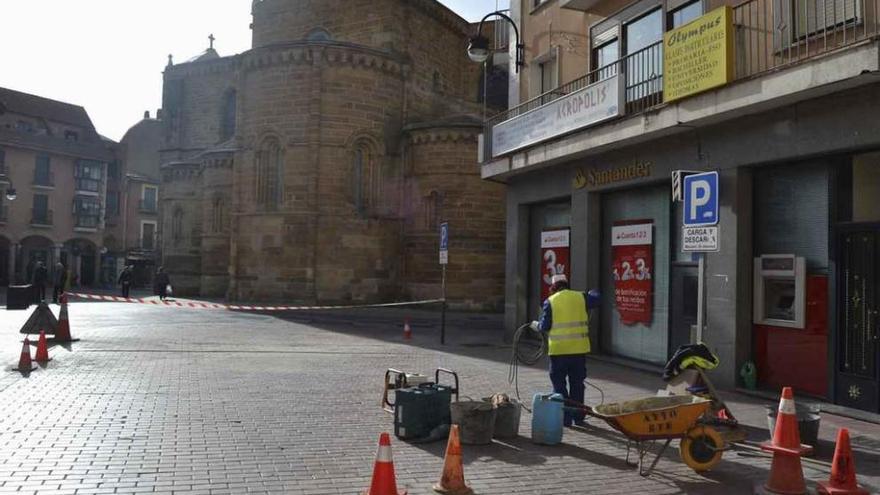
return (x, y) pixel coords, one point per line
(768, 35)
(41, 217)
(771, 34)
(44, 179)
(643, 73)
(87, 221)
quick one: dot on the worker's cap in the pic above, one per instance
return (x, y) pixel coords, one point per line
(558, 278)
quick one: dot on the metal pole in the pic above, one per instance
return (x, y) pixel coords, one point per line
(701, 298)
(443, 310)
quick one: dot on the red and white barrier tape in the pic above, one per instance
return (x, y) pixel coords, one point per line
(236, 307)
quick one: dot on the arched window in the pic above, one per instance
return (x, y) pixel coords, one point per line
(227, 116)
(177, 225)
(433, 207)
(217, 214)
(269, 175)
(365, 190)
(319, 34)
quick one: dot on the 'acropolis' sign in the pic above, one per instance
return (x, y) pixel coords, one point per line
(585, 107)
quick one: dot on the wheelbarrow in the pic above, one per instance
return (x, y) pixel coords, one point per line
(646, 421)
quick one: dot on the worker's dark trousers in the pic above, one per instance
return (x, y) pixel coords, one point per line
(572, 368)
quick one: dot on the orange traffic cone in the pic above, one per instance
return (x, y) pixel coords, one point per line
(384, 482)
(843, 470)
(25, 364)
(407, 330)
(786, 473)
(42, 349)
(63, 332)
(452, 478)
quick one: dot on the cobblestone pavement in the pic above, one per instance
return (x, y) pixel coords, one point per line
(192, 401)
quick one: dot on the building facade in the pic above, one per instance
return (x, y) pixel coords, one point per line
(780, 102)
(318, 165)
(60, 170)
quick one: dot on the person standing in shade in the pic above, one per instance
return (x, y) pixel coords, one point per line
(162, 283)
(41, 276)
(125, 280)
(59, 279)
(565, 319)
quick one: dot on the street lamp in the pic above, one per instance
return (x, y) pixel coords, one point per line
(10, 194)
(478, 48)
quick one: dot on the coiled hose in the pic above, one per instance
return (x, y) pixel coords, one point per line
(529, 346)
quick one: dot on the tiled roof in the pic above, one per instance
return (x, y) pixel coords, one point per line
(37, 106)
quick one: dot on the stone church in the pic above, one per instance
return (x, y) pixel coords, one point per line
(317, 166)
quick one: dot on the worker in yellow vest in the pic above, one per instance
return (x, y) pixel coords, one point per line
(565, 318)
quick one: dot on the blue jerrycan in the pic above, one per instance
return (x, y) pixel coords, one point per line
(547, 419)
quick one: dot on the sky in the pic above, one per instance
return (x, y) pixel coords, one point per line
(108, 55)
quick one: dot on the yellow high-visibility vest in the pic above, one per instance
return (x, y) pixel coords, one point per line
(570, 333)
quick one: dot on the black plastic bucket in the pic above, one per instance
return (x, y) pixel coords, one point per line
(808, 416)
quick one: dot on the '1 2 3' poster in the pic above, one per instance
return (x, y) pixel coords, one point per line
(555, 253)
(633, 270)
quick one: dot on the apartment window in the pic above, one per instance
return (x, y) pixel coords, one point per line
(113, 203)
(149, 196)
(269, 174)
(88, 175)
(148, 235)
(87, 210)
(42, 171)
(604, 58)
(810, 17)
(24, 126)
(644, 66)
(548, 75)
(71, 136)
(684, 14)
(40, 213)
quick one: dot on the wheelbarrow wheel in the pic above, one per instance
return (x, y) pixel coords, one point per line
(702, 448)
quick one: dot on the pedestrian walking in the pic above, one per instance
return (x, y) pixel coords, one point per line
(565, 318)
(41, 276)
(162, 283)
(125, 280)
(59, 280)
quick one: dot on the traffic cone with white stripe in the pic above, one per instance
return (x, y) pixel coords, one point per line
(25, 363)
(786, 472)
(843, 470)
(384, 482)
(407, 330)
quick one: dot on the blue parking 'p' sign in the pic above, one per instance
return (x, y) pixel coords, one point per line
(701, 199)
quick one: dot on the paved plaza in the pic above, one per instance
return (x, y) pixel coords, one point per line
(167, 400)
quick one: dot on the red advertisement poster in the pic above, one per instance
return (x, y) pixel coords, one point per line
(555, 247)
(633, 271)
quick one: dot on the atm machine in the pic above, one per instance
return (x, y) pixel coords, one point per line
(780, 291)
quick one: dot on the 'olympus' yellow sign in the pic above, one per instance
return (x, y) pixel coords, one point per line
(699, 55)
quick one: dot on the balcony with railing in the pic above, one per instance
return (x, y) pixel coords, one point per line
(767, 35)
(87, 185)
(41, 218)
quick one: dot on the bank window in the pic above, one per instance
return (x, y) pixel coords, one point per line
(684, 14)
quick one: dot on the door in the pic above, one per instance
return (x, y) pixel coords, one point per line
(87, 270)
(683, 305)
(859, 327)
